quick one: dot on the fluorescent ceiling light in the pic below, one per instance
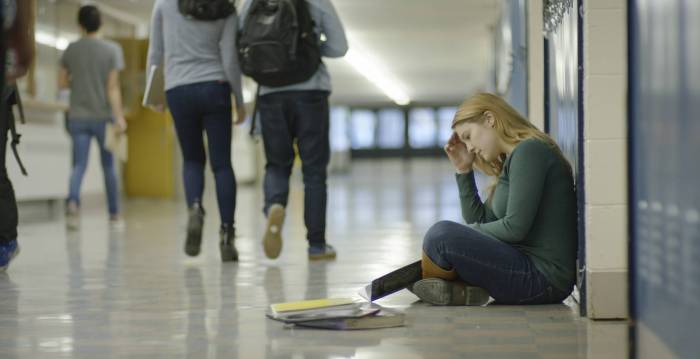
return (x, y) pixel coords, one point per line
(48, 39)
(377, 74)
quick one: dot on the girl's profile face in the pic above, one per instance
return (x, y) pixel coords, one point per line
(480, 138)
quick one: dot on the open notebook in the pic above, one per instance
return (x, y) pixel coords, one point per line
(155, 88)
(392, 282)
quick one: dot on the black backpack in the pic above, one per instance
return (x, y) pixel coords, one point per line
(277, 45)
(206, 10)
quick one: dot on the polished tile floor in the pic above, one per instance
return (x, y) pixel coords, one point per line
(96, 293)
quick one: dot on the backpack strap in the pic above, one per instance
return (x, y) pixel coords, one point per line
(13, 98)
(253, 121)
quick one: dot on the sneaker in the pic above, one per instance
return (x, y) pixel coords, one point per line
(8, 251)
(116, 223)
(195, 223)
(272, 240)
(227, 244)
(438, 291)
(323, 251)
(72, 217)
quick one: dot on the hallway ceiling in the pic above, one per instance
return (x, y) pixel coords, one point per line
(438, 50)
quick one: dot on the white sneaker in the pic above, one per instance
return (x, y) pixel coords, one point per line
(72, 220)
(117, 224)
(272, 240)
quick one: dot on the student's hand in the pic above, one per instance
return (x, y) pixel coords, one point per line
(240, 116)
(120, 125)
(459, 155)
(157, 108)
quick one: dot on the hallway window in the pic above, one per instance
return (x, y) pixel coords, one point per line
(422, 128)
(391, 128)
(339, 138)
(445, 117)
(364, 123)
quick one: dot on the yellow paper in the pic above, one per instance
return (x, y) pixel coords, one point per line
(310, 304)
(116, 143)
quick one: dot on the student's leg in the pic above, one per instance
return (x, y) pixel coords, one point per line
(278, 138)
(81, 136)
(108, 169)
(217, 124)
(8, 205)
(188, 127)
(276, 121)
(481, 261)
(182, 102)
(314, 149)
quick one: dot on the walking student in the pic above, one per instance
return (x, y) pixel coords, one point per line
(293, 105)
(195, 43)
(90, 68)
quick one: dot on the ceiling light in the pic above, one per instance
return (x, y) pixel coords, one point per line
(47, 39)
(376, 73)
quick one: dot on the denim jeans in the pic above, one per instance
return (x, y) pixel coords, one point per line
(300, 116)
(198, 108)
(8, 205)
(82, 132)
(482, 261)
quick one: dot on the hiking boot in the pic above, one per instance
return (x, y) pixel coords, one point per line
(438, 291)
(321, 251)
(8, 251)
(227, 243)
(195, 223)
(272, 240)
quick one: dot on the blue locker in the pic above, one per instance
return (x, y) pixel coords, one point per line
(664, 105)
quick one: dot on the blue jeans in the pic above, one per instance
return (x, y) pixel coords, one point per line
(508, 275)
(82, 132)
(198, 108)
(300, 116)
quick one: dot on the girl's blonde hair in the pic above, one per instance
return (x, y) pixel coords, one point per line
(512, 128)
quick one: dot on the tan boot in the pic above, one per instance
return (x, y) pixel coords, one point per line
(432, 270)
(443, 287)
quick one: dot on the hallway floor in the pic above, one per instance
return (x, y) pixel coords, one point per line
(97, 293)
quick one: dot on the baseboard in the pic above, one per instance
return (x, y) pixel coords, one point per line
(607, 294)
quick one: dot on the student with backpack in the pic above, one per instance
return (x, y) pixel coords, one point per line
(16, 42)
(195, 42)
(280, 47)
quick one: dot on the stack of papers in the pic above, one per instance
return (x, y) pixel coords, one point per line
(336, 314)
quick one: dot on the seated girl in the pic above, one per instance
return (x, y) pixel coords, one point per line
(519, 246)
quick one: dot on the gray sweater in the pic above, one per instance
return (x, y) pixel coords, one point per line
(194, 51)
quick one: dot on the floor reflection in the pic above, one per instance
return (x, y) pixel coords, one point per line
(96, 293)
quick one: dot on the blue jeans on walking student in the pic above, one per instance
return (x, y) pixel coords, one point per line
(299, 117)
(82, 131)
(198, 108)
(507, 274)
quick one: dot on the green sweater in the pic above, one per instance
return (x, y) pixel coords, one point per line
(533, 209)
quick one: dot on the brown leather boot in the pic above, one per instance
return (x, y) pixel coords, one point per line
(443, 287)
(432, 270)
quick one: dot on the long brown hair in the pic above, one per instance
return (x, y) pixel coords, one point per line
(511, 126)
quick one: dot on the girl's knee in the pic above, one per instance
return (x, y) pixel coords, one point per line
(436, 235)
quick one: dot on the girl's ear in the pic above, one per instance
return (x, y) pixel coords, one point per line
(490, 119)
